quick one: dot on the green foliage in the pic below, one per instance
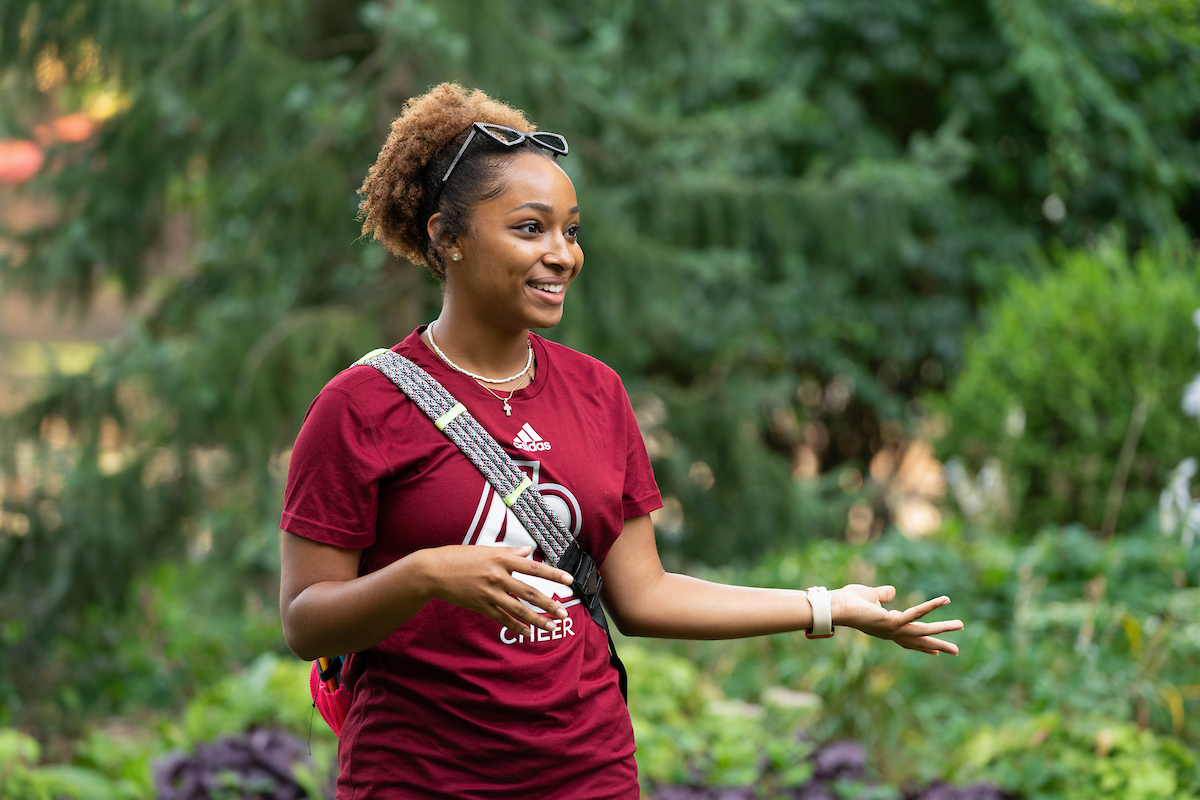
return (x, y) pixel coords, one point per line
(1077, 674)
(1096, 635)
(775, 194)
(182, 628)
(1080, 760)
(22, 779)
(167, 443)
(116, 762)
(271, 692)
(688, 733)
(1053, 385)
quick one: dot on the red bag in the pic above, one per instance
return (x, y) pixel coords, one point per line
(335, 703)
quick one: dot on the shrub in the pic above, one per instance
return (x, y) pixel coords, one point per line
(242, 736)
(1070, 369)
(258, 764)
(1048, 756)
(1105, 634)
(22, 779)
(688, 732)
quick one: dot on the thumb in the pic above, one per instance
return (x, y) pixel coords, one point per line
(886, 594)
(520, 551)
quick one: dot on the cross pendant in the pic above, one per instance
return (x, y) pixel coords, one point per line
(507, 409)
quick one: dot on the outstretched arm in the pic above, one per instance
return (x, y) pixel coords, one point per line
(645, 600)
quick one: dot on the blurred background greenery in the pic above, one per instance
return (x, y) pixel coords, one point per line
(902, 292)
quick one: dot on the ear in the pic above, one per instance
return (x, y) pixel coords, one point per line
(434, 229)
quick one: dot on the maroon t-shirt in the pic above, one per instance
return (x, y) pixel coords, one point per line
(451, 704)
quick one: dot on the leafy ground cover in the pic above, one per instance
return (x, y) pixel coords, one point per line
(1077, 674)
(1077, 679)
(232, 739)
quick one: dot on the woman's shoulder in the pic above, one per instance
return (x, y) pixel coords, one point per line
(357, 379)
(363, 388)
(577, 365)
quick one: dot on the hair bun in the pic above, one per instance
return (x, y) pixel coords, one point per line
(393, 190)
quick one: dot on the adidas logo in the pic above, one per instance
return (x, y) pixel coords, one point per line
(527, 439)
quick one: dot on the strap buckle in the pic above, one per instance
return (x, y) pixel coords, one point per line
(586, 581)
(333, 670)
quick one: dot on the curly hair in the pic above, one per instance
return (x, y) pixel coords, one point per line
(399, 191)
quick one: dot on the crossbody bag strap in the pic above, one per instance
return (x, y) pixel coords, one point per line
(514, 486)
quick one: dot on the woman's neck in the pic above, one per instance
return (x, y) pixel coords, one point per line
(479, 348)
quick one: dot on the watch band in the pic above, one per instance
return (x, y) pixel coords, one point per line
(822, 627)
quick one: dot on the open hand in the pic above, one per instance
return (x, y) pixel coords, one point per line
(861, 607)
(481, 579)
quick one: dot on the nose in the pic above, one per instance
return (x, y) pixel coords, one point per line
(562, 253)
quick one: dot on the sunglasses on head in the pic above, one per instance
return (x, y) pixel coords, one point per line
(509, 137)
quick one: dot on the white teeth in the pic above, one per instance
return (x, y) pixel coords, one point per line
(548, 287)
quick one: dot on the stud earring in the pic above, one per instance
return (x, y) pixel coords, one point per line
(455, 257)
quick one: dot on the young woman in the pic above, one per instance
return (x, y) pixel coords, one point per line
(477, 671)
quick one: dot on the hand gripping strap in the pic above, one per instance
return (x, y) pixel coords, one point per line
(452, 418)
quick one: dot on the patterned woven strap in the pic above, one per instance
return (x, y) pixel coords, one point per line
(452, 418)
(478, 445)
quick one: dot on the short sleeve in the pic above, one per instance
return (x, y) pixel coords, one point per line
(334, 474)
(640, 495)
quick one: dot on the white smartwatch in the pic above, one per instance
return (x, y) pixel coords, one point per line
(822, 627)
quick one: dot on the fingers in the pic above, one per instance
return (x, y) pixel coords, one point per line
(529, 593)
(514, 625)
(517, 620)
(523, 591)
(916, 612)
(504, 584)
(923, 636)
(936, 628)
(928, 644)
(539, 569)
(522, 619)
(929, 628)
(515, 599)
(517, 606)
(903, 627)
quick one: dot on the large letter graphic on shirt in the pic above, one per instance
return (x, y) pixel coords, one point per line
(495, 525)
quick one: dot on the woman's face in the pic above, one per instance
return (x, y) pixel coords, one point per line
(521, 250)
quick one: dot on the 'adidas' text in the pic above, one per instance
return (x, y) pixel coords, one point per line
(528, 440)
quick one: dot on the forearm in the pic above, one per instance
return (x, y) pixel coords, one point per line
(681, 607)
(647, 601)
(348, 616)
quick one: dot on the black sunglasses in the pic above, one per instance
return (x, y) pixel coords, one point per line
(509, 137)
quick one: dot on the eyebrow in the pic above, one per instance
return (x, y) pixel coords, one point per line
(543, 207)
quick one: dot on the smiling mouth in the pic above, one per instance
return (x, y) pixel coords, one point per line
(549, 288)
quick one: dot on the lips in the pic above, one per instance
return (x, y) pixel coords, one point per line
(551, 291)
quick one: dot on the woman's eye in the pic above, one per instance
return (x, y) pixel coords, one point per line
(531, 227)
(573, 232)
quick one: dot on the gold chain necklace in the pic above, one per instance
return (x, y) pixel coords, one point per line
(507, 407)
